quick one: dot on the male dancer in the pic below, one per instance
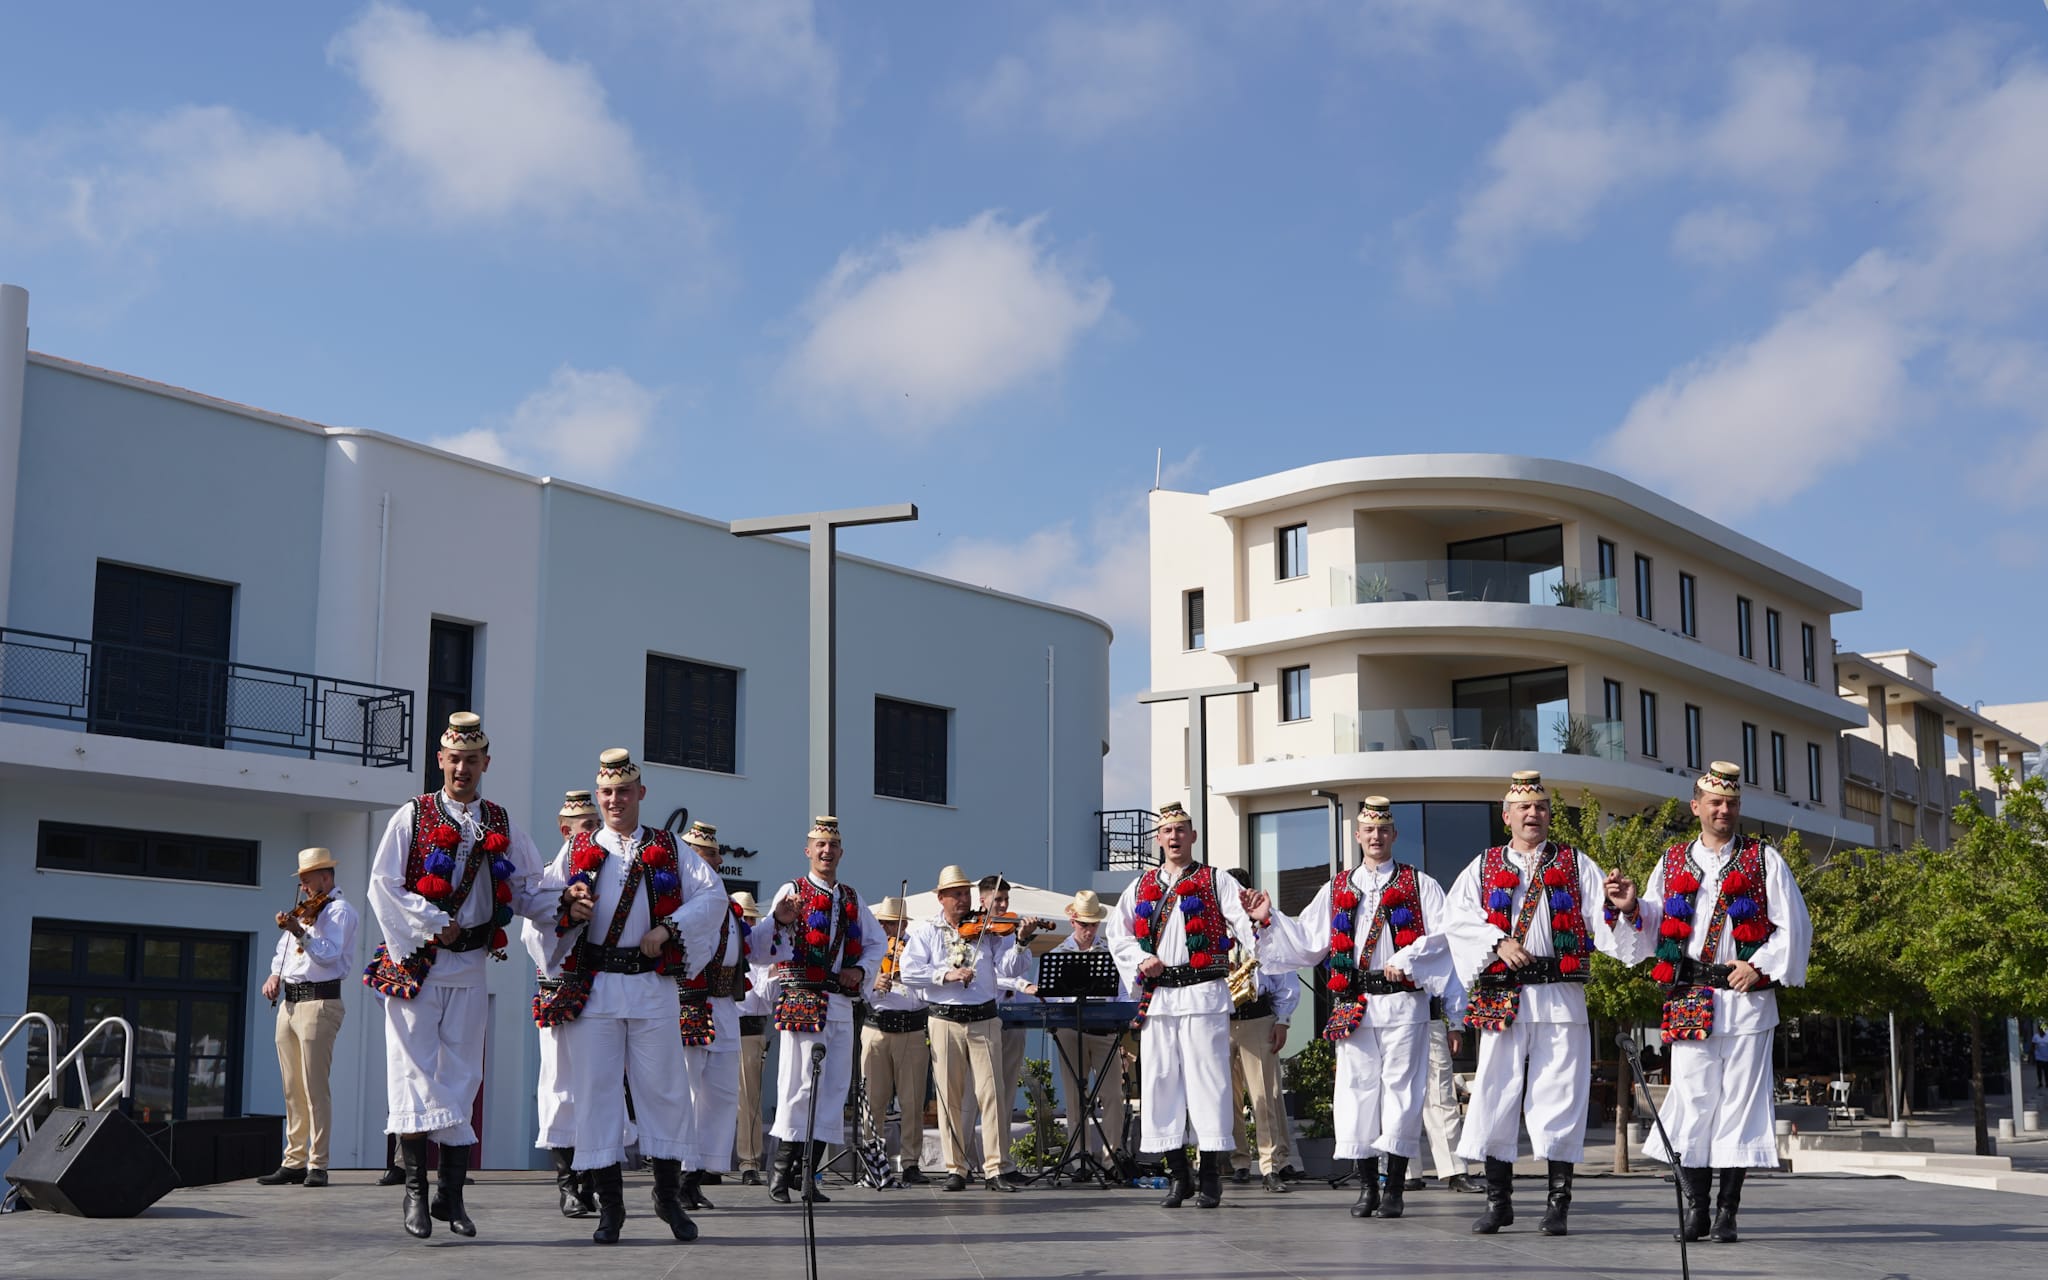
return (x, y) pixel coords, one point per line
(557, 1108)
(711, 1032)
(1733, 928)
(440, 913)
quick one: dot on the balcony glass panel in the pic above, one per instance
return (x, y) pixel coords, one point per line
(1505, 581)
(1470, 729)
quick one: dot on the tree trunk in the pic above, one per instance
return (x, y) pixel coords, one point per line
(1624, 1110)
(1977, 1085)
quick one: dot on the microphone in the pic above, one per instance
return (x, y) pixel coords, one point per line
(1629, 1046)
(817, 1056)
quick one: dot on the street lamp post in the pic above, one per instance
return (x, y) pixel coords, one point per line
(1198, 734)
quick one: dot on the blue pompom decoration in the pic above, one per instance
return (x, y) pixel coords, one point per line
(501, 869)
(1678, 906)
(1192, 906)
(1226, 944)
(853, 932)
(1742, 909)
(1560, 899)
(1400, 917)
(1341, 921)
(817, 919)
(502, 916)
(665, 883)
(1143, 910)
(440, 864)
(1500, 900)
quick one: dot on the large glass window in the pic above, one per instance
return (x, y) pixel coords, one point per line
(114, 851)
(1292, 549)
(1294, 693)
(1444, 836)
(1610, 568)
(1525, 711)
(1290, 855)
(451, 684)
(1521, 568)
(160, 653)
(910, 751)
(691, 717)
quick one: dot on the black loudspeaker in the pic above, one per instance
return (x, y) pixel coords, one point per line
(92, 1164)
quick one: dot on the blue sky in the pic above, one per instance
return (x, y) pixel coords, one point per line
(1787, 263)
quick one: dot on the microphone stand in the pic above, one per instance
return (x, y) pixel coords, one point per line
(1634, 1053)
(811, 1167)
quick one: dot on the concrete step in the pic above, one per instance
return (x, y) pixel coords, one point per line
(1982, 1173)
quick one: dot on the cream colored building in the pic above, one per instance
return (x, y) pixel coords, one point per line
(1422, 626)
(1908, 766)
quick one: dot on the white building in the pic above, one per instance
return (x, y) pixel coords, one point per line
(229, 634)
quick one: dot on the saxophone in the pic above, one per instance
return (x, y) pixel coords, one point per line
(1244, 982)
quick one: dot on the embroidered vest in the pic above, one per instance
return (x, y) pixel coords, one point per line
(1400, 906)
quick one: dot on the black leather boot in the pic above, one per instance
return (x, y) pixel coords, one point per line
(569, 1184)
(693, 1191)
(610, 1186)
(1209, 1187)
(1368, 1173)
(668, 1199)
(1698, 1186)
(392, 1177)
(1397, 1182)
(1500, 1198)
(1559, 1203)
(782, 1174)
(811, 1191)
(412, 1157)
(1182, 1183)
(1731, 1200)
(447, 1203)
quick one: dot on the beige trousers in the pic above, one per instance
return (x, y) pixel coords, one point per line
(1013, 1075)
(747, 1141)
(962, 1052)
(1087, 1052)
(1255, 1069)
(895, 1064)
(305, 1050)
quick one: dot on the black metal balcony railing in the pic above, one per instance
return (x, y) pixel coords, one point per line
(1127, 839)
(137, 692)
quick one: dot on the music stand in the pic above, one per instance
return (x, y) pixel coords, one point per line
(1082, 976)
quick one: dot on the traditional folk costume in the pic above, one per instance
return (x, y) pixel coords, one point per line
(813, 1008)
(439, 862)
(966, 1034)
(894, 1061)
(1194, 922)
(617, 1006)
(556, 1107)
(310, 968)
(1442, 1117)
(1255, 1074)
(1364, 921)
(1532, 1022)
(1081, 1055)
(753, 1009)
(711, 1036)
(1708, 909)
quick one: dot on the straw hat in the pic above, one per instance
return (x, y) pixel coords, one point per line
(702, 835)
(745, 902)
(315, 860)
(1525, 784)
(1087, 908)
(823, 827)
(889, 909)
(1722, 779)
(615, 768)
(1172, 814)
(1375, 811)
(577, 804)
(952, 877)
(465, 732)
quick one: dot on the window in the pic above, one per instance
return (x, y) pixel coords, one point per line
(1644, 608)
(112, 851)
(692, 715)
(1293, 551)
(1611, 700)
(1695, 754)
(1294, 693)
(1520, 568)
(1749, 753)
(1610, 568)
(451, 684)
(1689, 605)
(1778, 762)
(1649, 719)
(160, 653)
(1525, 711)
(910, 751)
(1745, 637)
(1809, 657)
(1197, 624)
(1774, 647)
(1813, 771)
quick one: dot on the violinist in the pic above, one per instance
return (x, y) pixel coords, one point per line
(1086, 1053)
(893, 1059)
(1023, 967)
(316, 947)
(959, 978)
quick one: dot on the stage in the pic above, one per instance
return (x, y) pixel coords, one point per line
(1824, 1227)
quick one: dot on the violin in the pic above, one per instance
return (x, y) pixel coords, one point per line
(307, 909)
(1000, 924)
(891, 968)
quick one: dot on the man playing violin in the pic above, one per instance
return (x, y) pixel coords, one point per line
(313, 952)
(893, 1059)
(1023, 968)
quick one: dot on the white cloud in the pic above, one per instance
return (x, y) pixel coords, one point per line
(1978, 158)
(1720, 236)
(1779, 129)
(1085, 78)
(1504, 29)
(760, 48)
(916, 331)
(584, 425)
(487, 122)
(1550, 170)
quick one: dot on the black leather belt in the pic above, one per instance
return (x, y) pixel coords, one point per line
(1186, 975)
(1436, 1008)
(1257, 1007)
(300, 992)
(962, 1012)
(1540, 971)
(898, 1021)
(474, 938)
(1698, 973)
(753, 1024)
(620, 960)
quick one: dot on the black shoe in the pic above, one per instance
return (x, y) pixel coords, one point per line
(1558, 1205)
(1724, 1212)
(954, 1182)
(610, 1187)
(447, 1203)
(283, 1176)
(569, 1184)
(1697, 1188)
(912, 1177)
(1274, 1183)
(784, 1174)
(1500, 1198)
(1181, 1183)
(668, 1200)
(1415, 1184)
(693, 1191)
(1209, 1187)
(1000, 1184)
(1368, 1172)
(316, 1177)
(811, 1191)
(412, 1153)
(392, 1177)
(1241, 1176)
(1462, 1182)
(751, 1178)
(1015, 1178)
(1390, 1205)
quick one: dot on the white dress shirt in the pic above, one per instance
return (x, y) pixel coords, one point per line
(1304, 941)
(927, 957)
(324, 952)
(1169, 933)
(641, 995)
(1781, 957)
(409, 920)
(1473, 938)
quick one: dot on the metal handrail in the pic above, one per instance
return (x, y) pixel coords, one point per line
(7, 1086)
(46, 1088)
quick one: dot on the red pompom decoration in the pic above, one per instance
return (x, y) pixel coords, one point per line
(1556, 877)
(1498, 966)
(1669, 929)
(1505, 878)
(852, 909)
(1340, 982)
(667, 906)
(815, 938)
(1199, 959)
(444, 837)
(433, 887)
(1392, 896)
(495, 842)
(651, 855)
(1568, 964)
(1405, 937)
(1142, 929)
(1663, 971)
(1341, 943)
(501, 891)
(1735, 883)
(1346, 900)
(587, 859)
(497, 939)
(1498, 919)
(1149, 891)
(1683, 882)
(852, 950)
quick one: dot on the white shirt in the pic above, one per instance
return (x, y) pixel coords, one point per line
(1304, 941)
(928, 955)
(408, 920)
(324, 952)
(1284, 989)
(1472, 938)
(782, 945)
(1781, 957)
(1169, 933)
(901, 997)
(641, 995)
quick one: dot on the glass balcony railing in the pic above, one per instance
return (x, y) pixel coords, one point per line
(1468, 729)
(1508, 581)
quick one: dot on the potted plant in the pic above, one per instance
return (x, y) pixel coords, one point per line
(1374, 588)
(1572, 595)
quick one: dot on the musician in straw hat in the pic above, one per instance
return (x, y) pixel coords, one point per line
(711, 1029)
(894, 1062)
(753, 1009)
(1087, 1052)
(557, 1108)
(1731, 928)
(314, 951)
